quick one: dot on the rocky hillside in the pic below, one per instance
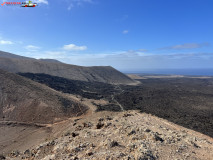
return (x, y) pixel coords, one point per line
(23, 100)
(188, 101)
(126, 135)
(50, 60)
(106, 74)
(10, 55)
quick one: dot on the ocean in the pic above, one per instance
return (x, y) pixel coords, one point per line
(189, 72)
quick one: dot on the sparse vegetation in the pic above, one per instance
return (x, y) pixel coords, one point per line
(90, 90)
(2, 157)
(184, 101)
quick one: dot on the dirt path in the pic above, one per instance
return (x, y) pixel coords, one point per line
(117, 87)
(116, 102)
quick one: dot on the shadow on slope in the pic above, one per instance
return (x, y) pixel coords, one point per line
(107, 74)
(23, 100)
(185, 101)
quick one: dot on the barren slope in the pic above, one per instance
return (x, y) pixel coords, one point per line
(128, 135)
(187, 101)
(106, 74)
(23, 100)
(112, 135)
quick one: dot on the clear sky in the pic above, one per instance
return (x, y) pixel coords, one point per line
(126, 34)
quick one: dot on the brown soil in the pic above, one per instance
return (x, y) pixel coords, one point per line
(124, 135)
(22, 100)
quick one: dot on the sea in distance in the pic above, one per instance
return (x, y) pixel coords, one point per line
(185, 72)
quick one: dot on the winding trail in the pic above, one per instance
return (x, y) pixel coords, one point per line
(122, 109)
(117, 87)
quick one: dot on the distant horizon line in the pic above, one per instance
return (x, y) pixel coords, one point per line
(174, 71)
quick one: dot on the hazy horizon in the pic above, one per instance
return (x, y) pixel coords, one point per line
(161, 71)
(175, 71)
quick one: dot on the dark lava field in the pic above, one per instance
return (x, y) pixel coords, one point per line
(185, 101)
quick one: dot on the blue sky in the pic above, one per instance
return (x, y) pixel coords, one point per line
(130, 35)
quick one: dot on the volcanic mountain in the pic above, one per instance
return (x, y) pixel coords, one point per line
(23, 100)
(18, 64)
